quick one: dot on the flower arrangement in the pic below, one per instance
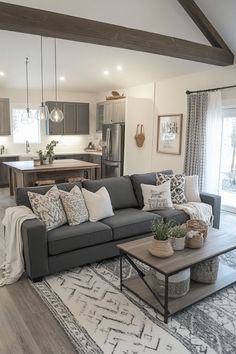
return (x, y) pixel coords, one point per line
(47, 156)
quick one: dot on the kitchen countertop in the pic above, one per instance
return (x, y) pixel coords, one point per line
(31, 154)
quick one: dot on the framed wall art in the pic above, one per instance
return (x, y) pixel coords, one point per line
(169, 134)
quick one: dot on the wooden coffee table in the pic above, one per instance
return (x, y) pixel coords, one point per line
(217, 243)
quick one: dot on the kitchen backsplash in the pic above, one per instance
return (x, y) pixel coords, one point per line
(69, 143)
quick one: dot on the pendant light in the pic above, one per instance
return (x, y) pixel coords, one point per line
(43, 112)
(56, 115)
(27, 116)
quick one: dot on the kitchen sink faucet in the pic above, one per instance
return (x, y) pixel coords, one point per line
(27, 147)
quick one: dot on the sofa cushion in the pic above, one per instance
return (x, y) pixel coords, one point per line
(22, 192)
(130, 222)
(120, 190)
(68, 238)
(179, 216)
(145, 178)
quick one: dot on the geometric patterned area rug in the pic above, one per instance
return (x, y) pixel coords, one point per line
(99, 319)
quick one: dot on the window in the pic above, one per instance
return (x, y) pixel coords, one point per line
(22, 131)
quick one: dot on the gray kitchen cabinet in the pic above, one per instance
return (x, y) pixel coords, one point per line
(110, 112)
(76, 119)
(5, 128)
(4, 170)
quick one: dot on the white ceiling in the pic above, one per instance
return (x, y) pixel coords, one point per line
(83, 64)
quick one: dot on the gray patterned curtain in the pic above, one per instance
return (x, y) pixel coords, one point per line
(195, 153)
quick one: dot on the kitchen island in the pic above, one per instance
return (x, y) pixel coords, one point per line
(25, 174)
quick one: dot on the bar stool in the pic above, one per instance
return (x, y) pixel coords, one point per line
(44, 182)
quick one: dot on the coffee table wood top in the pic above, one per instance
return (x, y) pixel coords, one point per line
(217, 242)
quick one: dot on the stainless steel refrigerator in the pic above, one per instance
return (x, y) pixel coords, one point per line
(113, 136)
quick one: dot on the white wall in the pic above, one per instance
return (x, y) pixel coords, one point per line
(171, 98)
(73, 143)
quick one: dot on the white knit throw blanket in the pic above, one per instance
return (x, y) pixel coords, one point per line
(13, 265)
(199, 211)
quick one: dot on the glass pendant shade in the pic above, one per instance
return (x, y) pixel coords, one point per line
(27, 116)
(43, 113)
(56, 115)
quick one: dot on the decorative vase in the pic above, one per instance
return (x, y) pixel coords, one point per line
(161, 248)
(178, 243)
(51, 159)
(46, 161)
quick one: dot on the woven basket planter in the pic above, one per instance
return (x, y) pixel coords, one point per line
(178, 284)
(162, 249)
(206, 271)
(194, 239)
(197, 225)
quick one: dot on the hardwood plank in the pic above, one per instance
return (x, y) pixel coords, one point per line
(217, 242)
(29, 326)
(203, 23)
(197, 292)
(40, 22)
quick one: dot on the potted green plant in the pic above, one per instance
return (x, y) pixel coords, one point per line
(161, 246)
(50, 150)
(43, 157)
(177, 236)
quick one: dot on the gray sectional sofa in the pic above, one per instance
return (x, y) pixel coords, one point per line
(71, 246)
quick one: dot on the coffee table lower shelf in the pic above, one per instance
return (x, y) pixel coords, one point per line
(197, 292)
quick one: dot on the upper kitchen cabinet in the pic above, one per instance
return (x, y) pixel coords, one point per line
(110, 112)
(76, 119)
(5, 128)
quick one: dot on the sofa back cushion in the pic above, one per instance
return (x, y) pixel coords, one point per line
(22, 193)
(145, 178)
(120, 190)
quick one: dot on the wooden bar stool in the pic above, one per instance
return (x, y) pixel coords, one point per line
(45, 182)
(75, 179)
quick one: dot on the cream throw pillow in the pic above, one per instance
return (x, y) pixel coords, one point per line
(156, 197)
(98, 204)
(74, 206)
(48, 208)
(191, 190)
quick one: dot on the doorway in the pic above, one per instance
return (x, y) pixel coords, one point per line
(228, 161)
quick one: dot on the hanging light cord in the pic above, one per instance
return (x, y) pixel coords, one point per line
(55, 48)
(27, 82)
(42, 69)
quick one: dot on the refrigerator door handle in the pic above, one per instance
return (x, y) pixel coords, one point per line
(112, 164)
(108, 141)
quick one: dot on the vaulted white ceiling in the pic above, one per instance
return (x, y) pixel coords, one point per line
(83, 64)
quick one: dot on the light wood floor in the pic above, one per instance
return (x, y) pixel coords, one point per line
(26, 324)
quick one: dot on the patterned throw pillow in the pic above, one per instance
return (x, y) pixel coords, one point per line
(74, 205)
(48, 208)
(177, 182)
(156, 197)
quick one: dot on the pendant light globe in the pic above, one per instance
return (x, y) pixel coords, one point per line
(43, 113)
(56, 115)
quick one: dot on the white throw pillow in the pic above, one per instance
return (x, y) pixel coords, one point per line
(98, 204)
(74, 205)
(48, 208)
(191, 190)
(156, 197)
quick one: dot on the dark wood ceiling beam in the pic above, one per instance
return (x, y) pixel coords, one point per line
(34, 21)
(203, 23)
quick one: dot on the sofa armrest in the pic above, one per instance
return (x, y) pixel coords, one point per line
(215, 202)
(34, 238)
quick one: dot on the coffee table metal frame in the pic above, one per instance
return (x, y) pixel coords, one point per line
(162, 302)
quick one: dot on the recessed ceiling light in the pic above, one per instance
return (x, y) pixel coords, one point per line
(2, 73)
(119, 68)
(62, 78)
(106, 72)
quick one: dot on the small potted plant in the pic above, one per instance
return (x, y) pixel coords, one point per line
(177, 236)
(50, 150)
(161, 246)
(43, 157)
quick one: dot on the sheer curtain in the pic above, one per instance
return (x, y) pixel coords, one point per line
(214, 125)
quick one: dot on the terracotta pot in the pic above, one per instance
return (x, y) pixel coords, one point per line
(162, 249)
(178, 243)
